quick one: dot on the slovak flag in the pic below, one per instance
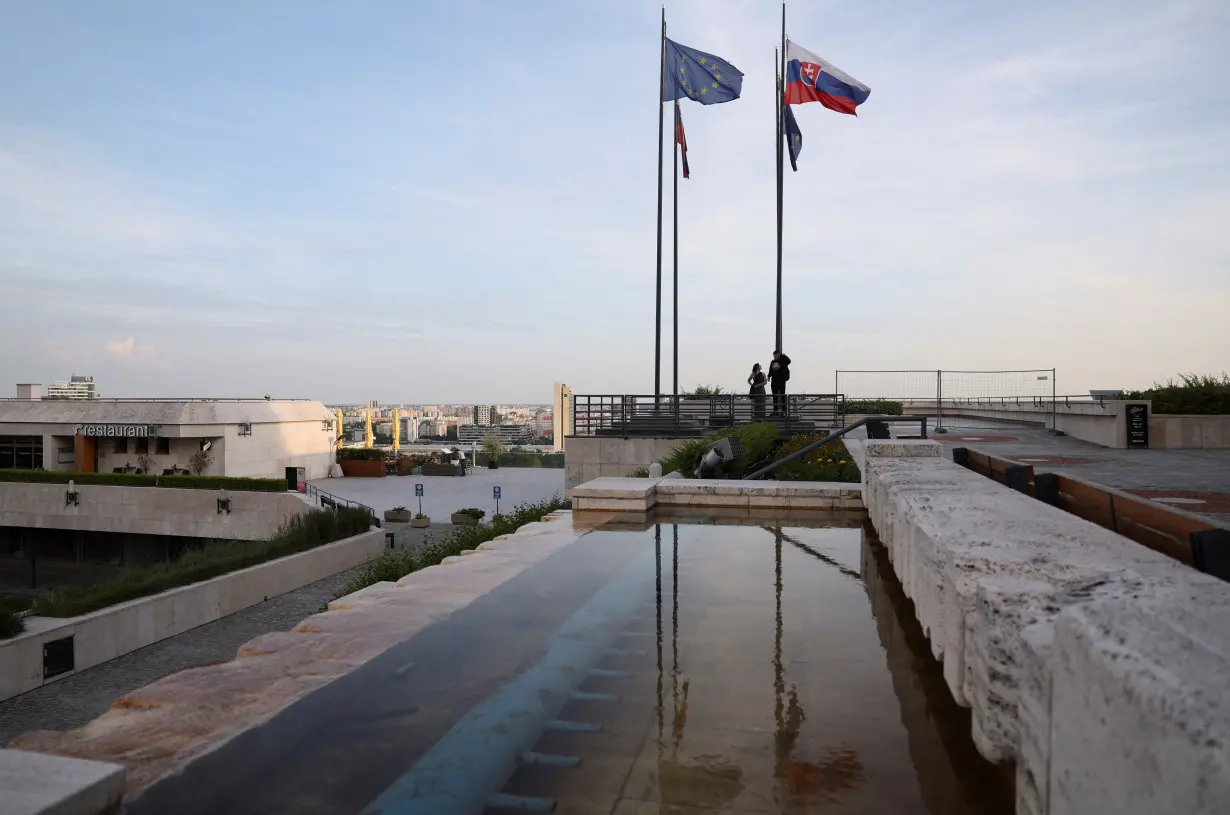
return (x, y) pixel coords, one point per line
(812, 79)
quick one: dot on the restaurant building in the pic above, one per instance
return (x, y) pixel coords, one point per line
(258, 438)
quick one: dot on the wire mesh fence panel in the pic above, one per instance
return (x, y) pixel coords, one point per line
(901, 386)
(987, 386)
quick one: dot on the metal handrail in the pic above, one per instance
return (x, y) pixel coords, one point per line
(171, 399)
(320, 496)
(798, 454)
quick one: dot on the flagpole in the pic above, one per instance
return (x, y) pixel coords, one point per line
(778, 129)
(675, 244)
(657, 339)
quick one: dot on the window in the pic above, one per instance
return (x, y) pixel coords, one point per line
(245, 429)
(142, 446)
(21, 452)
(164, 447)
(121, 445)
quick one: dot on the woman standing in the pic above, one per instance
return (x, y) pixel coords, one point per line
(757, 380)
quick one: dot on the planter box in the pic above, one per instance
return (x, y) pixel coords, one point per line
(396, 516)
(405, 466)
(462, 519)
(493, 465)
(441, 469)
(361, 468)
(420, 523)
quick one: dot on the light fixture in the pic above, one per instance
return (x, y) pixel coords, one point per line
(71, 497)
(224, 504)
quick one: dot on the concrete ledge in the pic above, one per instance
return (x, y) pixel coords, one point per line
(993, 574)
(901, 448)
(159, 729)
(640, 495)
(38, 784)
(111, 632)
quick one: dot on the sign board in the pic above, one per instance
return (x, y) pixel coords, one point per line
(301, 479)
(495, 493)
(418, 490)
(137, 431)
(1137, 425)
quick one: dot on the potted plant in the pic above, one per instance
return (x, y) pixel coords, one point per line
(495, 448)
(359, 462)
(420, 521)
(468, 516)
(398, 514)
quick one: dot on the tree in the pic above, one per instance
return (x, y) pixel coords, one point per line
(494, 445)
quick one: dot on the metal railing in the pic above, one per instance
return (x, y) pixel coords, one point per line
(803, 452)
(700, 415)
(171, 399)
(327, 500)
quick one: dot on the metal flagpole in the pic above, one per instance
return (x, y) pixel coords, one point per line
(675, 244)
(780, 69)
(657, 338)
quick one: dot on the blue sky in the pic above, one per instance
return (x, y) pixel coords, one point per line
(238, 198)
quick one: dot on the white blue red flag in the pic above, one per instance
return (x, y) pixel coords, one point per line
(812, 79)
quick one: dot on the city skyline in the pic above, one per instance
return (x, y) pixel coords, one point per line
(233, 200)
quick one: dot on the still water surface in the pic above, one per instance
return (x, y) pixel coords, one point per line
(684, 669)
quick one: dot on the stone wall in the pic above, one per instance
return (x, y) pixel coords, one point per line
(588, 457)
(149, 510)
(1086, 659)
(111, 632)
(1182, 432)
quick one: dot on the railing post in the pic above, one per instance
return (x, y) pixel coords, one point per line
(1054, 404)
(939, 403)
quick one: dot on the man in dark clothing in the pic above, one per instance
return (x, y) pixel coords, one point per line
(779, 373)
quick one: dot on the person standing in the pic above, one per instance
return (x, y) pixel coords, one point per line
(779, 374)
(757, 380)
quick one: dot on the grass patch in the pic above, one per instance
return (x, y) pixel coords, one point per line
(1192, 395)
(828, 462)
(393, 566)
(299, 534)
(183, 482)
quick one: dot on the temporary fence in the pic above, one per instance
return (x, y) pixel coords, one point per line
(940, 392)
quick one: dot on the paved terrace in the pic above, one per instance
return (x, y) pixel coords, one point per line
(1179, 477)
(445, 495)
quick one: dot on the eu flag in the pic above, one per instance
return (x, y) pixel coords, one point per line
(794, 137)
(698, 76)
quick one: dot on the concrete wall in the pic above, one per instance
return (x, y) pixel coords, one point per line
(112, 632)
(274, 446)
(149, 510)
(1180, 432)
(1086, 659)
(587, 457)
(1103, 423)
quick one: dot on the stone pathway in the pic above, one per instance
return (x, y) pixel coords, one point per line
(82, 697)
(1202, 475)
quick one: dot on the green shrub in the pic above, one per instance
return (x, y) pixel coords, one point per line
(757, 441)
(523, 459)
(828, 462)
(473, 512)
(396, 565)
(360, 454)
(298, 534)
(1195, 394)
(13, 605)
(10, 624)
(183, 482)
(639, 472)
(874, 407)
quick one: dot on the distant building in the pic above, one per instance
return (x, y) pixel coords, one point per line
(561, 415)
(507, 433)
(483, 414)
(410, 427)
(77, 387)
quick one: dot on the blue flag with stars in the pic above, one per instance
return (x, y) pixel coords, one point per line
(701, 77)
(794, 137)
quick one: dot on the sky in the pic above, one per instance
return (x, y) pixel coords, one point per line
(456, 201)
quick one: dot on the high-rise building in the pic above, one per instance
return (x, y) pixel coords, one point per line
(409, 428)
(77, 387)
(483, 415)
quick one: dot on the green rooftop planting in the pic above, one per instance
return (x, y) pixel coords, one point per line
(183, 482)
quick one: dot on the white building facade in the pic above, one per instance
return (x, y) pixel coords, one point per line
(254, 438)
(77, 387)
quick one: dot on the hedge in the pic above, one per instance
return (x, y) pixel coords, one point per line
(360, 454)
(1194, 395)
(183, 482)
(828, 462)
(299, 534)
(393, 566)
(874, 407)
(10, 624)
(522, 459)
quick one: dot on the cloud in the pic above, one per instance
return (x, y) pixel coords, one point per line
(127, 348)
